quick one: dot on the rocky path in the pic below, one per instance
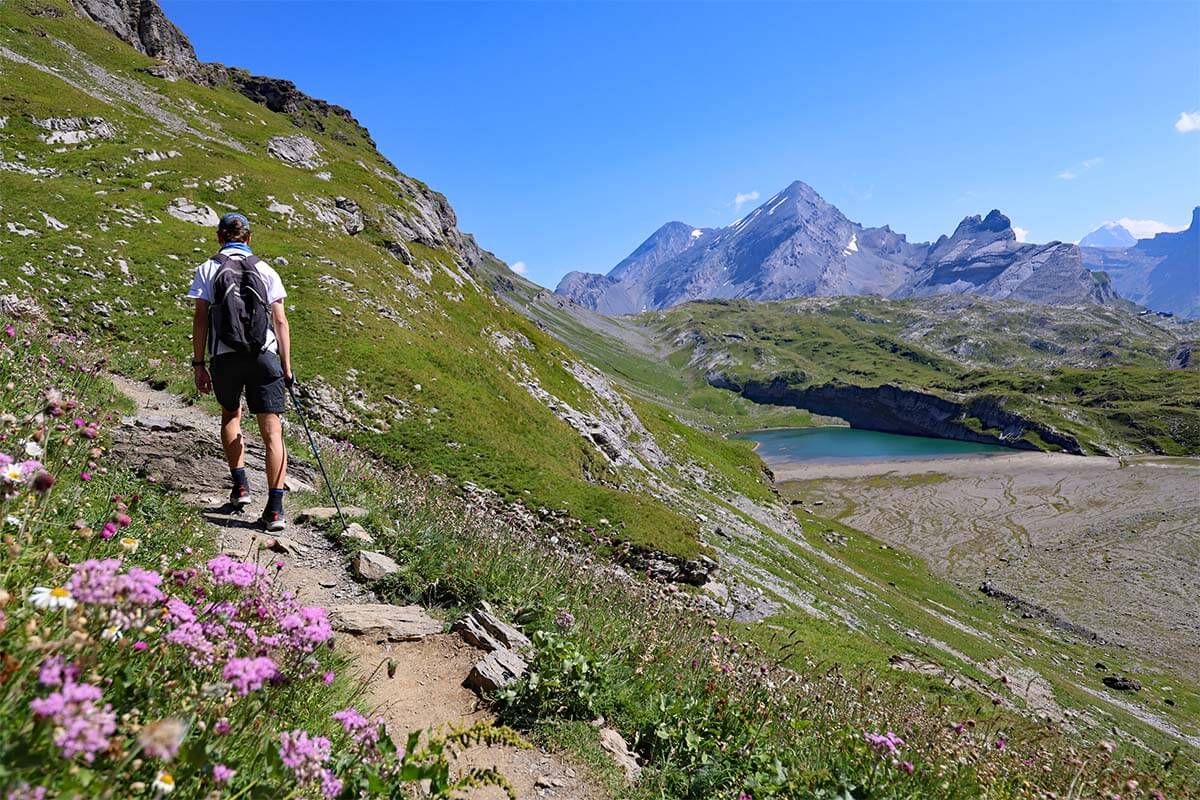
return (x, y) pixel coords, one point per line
(177, 445)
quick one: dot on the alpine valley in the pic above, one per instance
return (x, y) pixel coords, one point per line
(700, 623)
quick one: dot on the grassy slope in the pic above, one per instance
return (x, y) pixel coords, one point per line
(439, 339)
(520, 448)
(1126, 398)
(894, 602)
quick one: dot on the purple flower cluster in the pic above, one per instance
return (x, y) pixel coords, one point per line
(307, 628)
(361, 730)
(304, 755)
(249, 674)
(229, 571)
(81, 726)
(100, 582)
(888, 744)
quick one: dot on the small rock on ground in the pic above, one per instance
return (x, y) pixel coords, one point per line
(497, 670)
(371, 566)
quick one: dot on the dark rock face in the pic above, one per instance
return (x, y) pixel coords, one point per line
(798, 245)
(142, 24)
(892, 409)
(1162, 273)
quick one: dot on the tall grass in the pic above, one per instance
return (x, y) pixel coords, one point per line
(710, 714)
(133, 662)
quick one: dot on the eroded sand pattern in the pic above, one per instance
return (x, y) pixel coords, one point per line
(1111, 545)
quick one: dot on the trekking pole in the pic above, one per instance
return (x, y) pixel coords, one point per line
(317, 453)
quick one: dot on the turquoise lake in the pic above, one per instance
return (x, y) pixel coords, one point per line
(846, 445)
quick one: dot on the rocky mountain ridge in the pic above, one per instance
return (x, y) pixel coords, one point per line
(796, 244)
(1162, 273)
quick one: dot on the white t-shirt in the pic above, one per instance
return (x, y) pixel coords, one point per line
(201, 289)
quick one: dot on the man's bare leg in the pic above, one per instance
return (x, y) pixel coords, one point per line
(271, 428)
(231, 438)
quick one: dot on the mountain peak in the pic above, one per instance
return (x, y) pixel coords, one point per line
(1110, 234)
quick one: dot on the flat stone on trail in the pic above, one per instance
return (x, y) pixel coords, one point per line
(326, 513)
(371, 566)
(497, 670)
(384, 622)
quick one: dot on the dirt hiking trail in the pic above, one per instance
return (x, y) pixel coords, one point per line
(178, 446)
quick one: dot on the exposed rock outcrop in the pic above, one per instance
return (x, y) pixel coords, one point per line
(895, 410)
(296, 150)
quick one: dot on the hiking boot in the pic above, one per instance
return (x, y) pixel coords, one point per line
(239, 497)
(272, 521)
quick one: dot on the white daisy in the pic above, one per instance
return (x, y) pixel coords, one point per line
(129, 544)
(51, 597)
(163, 782)
(13, 474)
(112, 633)
(33, 449)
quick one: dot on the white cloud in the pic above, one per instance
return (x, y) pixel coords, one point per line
(1071, 173)
(1022, 233)
(518, 267)
(741, 198)
(1188, 121)
(1145, 228)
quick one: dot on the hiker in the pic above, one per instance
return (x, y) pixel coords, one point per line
(240, 322)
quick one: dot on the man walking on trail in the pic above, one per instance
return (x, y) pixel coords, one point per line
(239, 321)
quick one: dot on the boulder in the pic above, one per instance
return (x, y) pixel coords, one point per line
(615, 744)
(483, 629)
(383, 622)
(326, 513)
(196, 213)
(1122, 683)
(497, 670)
(371, 566)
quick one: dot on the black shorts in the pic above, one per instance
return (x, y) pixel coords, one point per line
(261, 376)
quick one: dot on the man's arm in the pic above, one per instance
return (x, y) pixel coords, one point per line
(199, 343)
(283, 337)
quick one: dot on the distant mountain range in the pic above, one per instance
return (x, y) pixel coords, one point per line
(1162, 273)
(796, 245)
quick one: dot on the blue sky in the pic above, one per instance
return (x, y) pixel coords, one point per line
(564, 134)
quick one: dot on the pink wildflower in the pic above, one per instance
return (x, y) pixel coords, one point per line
(249, 674)
(221, 727)
(222, 774)
(331, 785)
(361, 729)
(303, 754)
(307, 628)
(108, 531)
(226, 570)
(81, 727)
(884, 743)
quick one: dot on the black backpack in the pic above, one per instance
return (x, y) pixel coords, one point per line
(239, 315)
